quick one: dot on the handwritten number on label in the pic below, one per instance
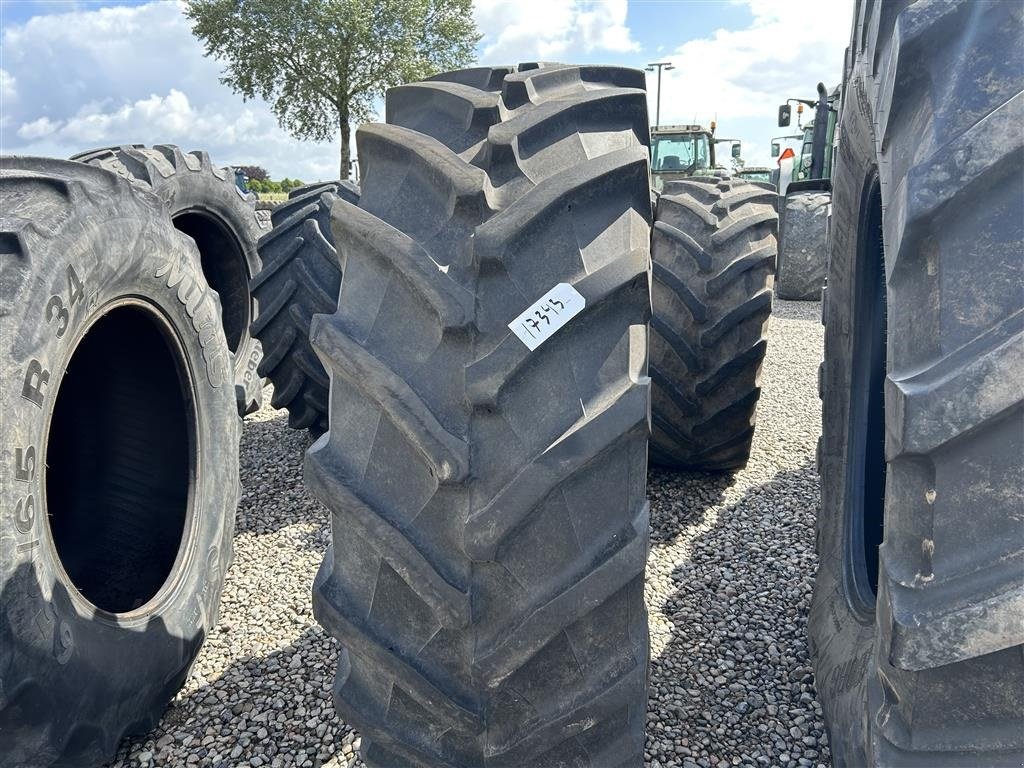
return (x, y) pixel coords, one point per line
(544, 317)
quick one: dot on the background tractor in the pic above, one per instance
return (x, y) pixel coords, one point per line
(679, 151)
(807, 189)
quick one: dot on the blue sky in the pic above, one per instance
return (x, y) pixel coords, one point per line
(75, 75)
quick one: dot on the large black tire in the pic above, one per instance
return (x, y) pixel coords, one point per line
(486, 575)
(802, 254)
(206, 205)
(301, 276)
(917, 643)
(346, 185)
(713, 245)
(120, 433)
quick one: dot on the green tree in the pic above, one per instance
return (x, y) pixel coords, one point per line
(321, 63)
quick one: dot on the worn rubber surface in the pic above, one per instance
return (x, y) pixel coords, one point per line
(120, 461)
(713, 246)
(345, 184)
(205, 204)
(932, 672)
(490, 524)
(802, 256)
(301, 276)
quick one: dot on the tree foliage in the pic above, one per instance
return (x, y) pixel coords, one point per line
(254, 172)
(322, 63)
(267, 185)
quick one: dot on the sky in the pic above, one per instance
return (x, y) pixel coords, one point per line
(79, 74)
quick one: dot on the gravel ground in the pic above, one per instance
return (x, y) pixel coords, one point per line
(728, 588)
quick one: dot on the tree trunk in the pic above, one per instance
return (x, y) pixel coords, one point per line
(344, 128)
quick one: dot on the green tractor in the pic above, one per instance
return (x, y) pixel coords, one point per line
(680, 151)
(807, 189)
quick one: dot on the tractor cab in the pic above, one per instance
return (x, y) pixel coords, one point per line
(679, 151)
(813, 168)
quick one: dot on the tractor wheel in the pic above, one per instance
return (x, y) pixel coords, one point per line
(205, 204)
(301, 276)
(489, 350)
(915, 622)
(120, 434)
(347, 188)
(713, 246)
(802, 256)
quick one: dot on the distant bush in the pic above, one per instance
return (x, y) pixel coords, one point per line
(267, 186)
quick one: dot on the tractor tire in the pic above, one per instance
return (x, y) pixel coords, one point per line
(489, 605)
(713, 246)
(915, 623)
(120, 432)
(802, 254)
(301, 277)
(206, 205)
(348, 188)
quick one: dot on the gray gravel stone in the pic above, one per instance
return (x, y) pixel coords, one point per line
(728, 589)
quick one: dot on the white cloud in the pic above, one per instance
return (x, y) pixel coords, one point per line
(550, 29)
(742, 75)
(8, 89)
(103, 76)
(38, 128)
(99, 76)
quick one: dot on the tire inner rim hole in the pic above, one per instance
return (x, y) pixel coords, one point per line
(224, 266)
(119, 461)
(866, 483)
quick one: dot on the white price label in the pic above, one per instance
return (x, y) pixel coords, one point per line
(547, 314)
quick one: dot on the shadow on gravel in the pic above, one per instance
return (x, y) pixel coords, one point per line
(680, 499)
(734, 683)
(259, 708)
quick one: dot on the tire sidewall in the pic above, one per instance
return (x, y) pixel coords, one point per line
(84, 663)
(842, 635)
(187, 190)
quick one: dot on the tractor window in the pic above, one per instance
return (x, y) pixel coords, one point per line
(679, 152)
(804, 171)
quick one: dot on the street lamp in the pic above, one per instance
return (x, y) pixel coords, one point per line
(650, 68)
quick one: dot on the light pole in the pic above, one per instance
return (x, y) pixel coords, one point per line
(657, 99)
